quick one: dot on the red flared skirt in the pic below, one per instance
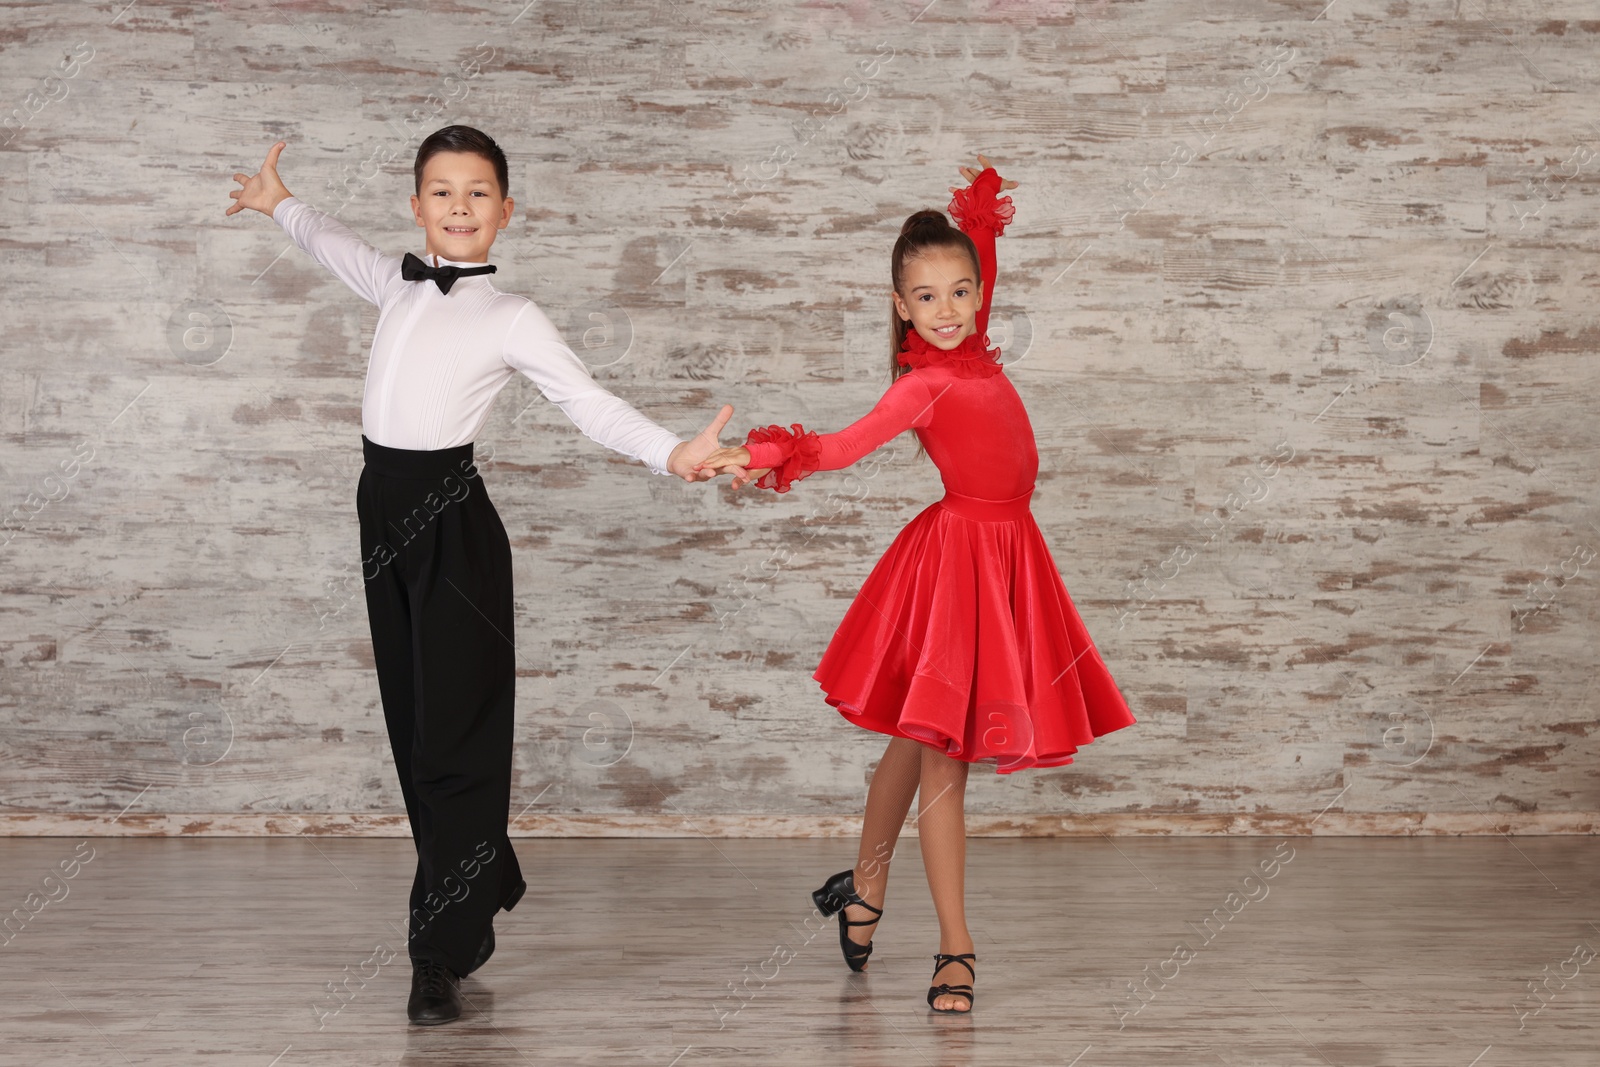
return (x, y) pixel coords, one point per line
(963, 637)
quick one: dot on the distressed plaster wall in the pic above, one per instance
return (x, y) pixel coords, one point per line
(1351, 246)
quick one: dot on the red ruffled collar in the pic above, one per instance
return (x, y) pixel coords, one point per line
(972, 358)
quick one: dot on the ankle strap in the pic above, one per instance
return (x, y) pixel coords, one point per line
(852, 897)
(863, 904)
(940, 959)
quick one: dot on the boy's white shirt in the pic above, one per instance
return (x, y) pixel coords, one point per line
(438, 360)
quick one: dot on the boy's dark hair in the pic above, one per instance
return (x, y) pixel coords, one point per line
(463, 139)
(922, 232)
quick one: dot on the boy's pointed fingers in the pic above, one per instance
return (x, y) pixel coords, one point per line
(714, 429)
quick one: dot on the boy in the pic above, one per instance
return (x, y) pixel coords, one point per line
(437, 563)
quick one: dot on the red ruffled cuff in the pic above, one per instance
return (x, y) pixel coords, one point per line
(791, 455)
(977, 206)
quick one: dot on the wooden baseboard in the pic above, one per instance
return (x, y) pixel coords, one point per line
(1124, 824)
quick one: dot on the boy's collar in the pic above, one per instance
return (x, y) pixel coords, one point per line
(434, 260)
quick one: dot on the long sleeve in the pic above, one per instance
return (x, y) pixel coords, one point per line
(337, 247)
(794, 454)
(533, 346)
(982, 216)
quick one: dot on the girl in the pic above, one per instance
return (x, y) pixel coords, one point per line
(963, 645)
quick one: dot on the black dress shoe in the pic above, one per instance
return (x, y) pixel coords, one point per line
(835, 895)
(485, 950)
(435, 994)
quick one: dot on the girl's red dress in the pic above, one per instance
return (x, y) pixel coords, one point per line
(963, 636)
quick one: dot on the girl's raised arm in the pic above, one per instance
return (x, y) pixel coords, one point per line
(790, 455)
(982, 215)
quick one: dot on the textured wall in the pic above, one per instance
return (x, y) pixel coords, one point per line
(1309, 341)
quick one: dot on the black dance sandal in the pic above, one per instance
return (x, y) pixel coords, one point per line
(945, 990)
(835, 894)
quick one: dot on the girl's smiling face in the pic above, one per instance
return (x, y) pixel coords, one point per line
(460, 207)
(942, 297)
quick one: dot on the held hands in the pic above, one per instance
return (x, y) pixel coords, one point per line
(700, 458)
(685, 457)
(971, 174)
(688, 457)
(263, 190)
(734, 461)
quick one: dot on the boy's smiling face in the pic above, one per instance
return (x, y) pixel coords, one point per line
(460, 206)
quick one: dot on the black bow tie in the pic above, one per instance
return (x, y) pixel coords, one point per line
(413, 269)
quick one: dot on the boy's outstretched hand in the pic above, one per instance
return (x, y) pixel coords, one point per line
(686, 457)
(263, 190)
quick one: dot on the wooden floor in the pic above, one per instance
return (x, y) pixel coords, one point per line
(1352, 952)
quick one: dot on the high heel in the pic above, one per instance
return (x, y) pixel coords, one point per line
(944, 989)
(836, 893)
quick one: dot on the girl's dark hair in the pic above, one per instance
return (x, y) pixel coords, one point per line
(922, 232)
(462, 139)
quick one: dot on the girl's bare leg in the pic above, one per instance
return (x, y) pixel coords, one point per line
(894, 783)
(942, 827)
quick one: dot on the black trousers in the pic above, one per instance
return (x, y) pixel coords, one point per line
(437, 568)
